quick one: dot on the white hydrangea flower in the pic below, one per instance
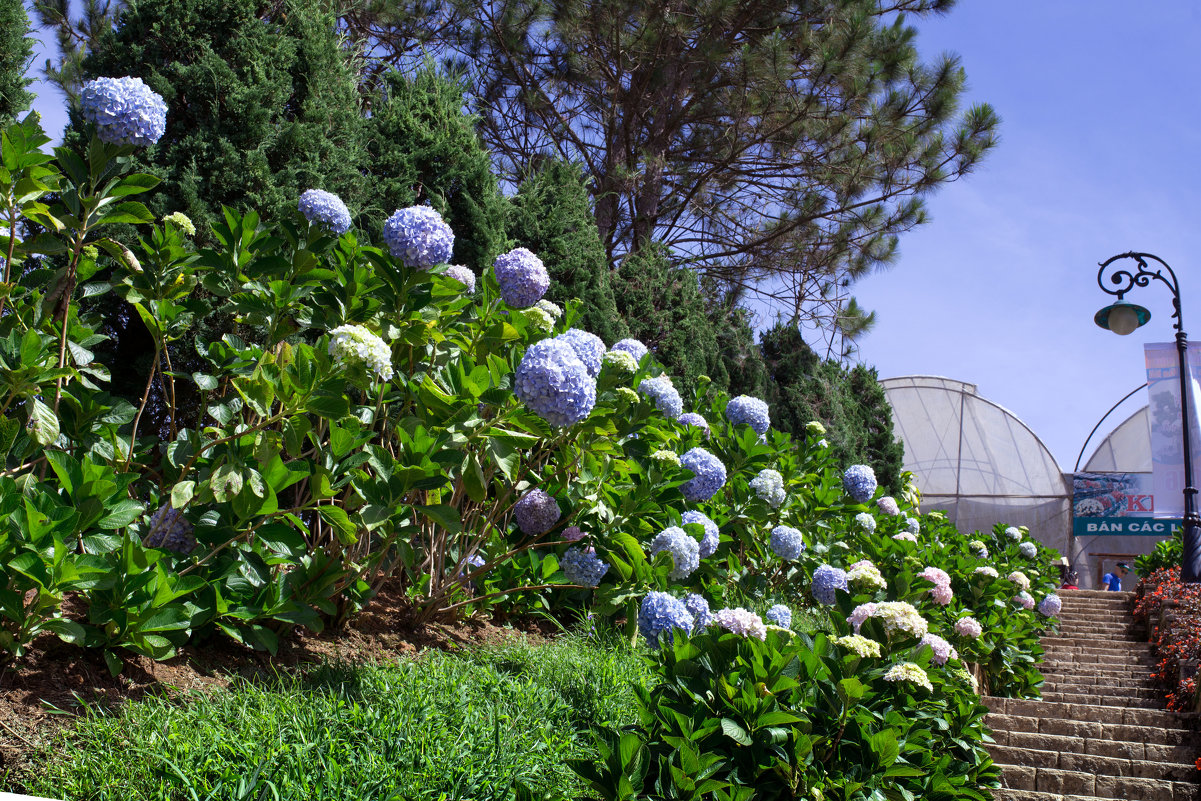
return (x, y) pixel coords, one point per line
(909, 672)
(621, 361)
(864, 573)
(350, 344)
(863, 646)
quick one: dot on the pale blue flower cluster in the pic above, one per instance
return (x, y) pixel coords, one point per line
(419, 237)
(1050, 606)
(712, 536)
(710, 475)
(866, 522)
(694, 419)
(583, 566)
(888, 505)
(325, 209)
(698, 607)
(633, 347)
(476, 561)
(522, 277)
(684, 550)
(827, 581)
(859, 481)
(781, 615)
(588, 347)
(463, 275)
(1028, 549)
(659, 614)
(913, 526)
(750, 411)
(664, 394)
(769, 486)
(536, 512)
(554, 383)
(125, 111)
(169, 530)
(787, 542)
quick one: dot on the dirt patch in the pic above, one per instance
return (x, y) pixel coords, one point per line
(55, 682)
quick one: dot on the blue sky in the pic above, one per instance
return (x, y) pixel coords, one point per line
(1098, 155)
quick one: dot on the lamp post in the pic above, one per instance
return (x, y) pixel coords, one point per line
(1123, 318)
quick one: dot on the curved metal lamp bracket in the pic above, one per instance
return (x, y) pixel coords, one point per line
(1125, 280)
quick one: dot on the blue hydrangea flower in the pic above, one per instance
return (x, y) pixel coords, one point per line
(859, 481)
(632, 347)
(554, 383)
(694, 419)
(826, 581)
(710, 475)
(684, 550)
(588, 347)
(709, 544)
(125, 111)
(659, 614)
(325, 209)
(750, 411)
(522, 277)
(536, 512)
(787, 542)
(781, 615)
(476, 561)
(866, 522)
(583, 566)
(769, 485)
(913, 526)
(419, 237)
(664, 394)
(1028, 549)
(1050, 606)
(463, 275)
(169, 530)
(698, 607)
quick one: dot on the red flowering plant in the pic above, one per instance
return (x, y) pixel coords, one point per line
(1175, 638)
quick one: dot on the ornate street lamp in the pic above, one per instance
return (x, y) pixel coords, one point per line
(1123, 318)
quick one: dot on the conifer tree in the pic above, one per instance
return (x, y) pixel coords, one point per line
(420, 147)
(16, 51)
(260, 107)
(849, 402)
(552, 216)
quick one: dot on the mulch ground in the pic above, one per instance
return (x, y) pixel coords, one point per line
(55, 682)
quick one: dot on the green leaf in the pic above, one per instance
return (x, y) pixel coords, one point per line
(181, 494)
(121, 514)
(43, 424)
(735, 732)
(445, 516)
(130, 212)
(884, 745)
(336, 516)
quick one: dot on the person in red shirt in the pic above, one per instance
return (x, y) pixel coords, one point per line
(1070, 581)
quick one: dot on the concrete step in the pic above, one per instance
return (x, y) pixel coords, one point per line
(1092, 730)
(1104, 700)
(1154, 752)
(1005, 794)
(1092, 763)
(1125, 690)
(1099, 674)
(1103, 633)
(1105, 645)
(1117, 661)
(1070, 783)
(1071, 596)
(1092, 713)
(1070, 618)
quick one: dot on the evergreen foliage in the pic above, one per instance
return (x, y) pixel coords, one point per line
(849, 402)
(552, 216)
(421, 148)
(261, 107)
(16, 51)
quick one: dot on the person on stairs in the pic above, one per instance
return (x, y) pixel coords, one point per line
(1113, 581)
(1071, 581)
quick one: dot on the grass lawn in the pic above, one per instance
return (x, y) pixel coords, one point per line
(494, 723)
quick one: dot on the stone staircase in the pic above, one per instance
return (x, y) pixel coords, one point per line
(1100, 730)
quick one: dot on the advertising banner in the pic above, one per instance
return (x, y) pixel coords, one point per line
(1118, 504)
(1167, 440)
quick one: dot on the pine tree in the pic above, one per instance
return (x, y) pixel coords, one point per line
(849, 402)
(421, 148)
(551, 216)
(16, 51)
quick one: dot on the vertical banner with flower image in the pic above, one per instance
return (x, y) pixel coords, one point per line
(1167, 441)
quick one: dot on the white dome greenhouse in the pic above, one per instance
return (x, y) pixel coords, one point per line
(977, 460)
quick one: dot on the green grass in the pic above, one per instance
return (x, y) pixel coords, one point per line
(473, 725)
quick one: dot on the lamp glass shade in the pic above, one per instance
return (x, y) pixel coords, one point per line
(1122, 318)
